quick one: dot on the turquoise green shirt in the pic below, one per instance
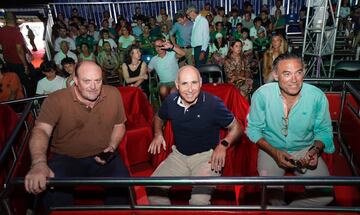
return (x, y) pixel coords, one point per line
(308, 120)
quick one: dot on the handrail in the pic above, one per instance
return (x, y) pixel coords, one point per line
(5, 151)
(149, 181)
(199, 180)
(16, 101)
(355, 92)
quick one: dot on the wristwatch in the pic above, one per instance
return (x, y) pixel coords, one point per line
(224, 143)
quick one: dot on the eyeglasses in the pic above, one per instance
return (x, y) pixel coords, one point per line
(284, 130)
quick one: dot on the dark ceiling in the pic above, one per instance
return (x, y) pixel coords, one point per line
(22, 3)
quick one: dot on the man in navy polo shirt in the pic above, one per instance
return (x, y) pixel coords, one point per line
(196, 118)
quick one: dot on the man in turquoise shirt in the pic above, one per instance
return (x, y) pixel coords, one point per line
(290, 122)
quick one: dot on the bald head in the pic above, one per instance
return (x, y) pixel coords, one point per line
(188, 83)
(88, 81)
(188, 70)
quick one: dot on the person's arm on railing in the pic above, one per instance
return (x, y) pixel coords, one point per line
(35, 179)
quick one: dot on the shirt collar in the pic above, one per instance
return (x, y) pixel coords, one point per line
(200, 98)
(75, 99)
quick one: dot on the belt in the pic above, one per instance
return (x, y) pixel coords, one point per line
(185, 47)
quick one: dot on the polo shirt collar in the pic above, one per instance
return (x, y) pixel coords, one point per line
(75, 99)
(199, 99)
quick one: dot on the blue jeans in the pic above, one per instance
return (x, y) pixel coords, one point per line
(65, 166)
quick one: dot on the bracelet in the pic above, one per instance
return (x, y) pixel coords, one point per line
(37, 162)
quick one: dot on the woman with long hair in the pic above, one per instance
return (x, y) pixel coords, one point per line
(237, 70)
(278, 46)
(134, 70)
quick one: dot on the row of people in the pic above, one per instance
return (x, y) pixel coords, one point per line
(196, 118)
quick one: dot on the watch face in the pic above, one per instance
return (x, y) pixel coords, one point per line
(224, 143)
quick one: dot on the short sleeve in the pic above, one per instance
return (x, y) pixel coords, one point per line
(223, 116)
(121, 116)
(50, 111)
(164, 110)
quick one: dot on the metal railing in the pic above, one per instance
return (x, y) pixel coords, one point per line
(160, 181)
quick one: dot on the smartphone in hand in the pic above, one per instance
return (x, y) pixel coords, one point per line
(106, 156)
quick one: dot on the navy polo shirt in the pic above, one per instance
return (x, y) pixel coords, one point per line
(196, 129)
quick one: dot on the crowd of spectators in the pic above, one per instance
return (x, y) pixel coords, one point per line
(261, 36)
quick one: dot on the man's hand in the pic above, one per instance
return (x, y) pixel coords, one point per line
(108, 149)
(202, 55)
(282, 158)
(156, 144)
(35, 179)
(218, 158)
(310, 160)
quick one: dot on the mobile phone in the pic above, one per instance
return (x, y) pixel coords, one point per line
(106, 156)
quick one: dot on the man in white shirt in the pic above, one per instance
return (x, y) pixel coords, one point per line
(63, 53)
(51, 82)
(64, 37)
(199, 37)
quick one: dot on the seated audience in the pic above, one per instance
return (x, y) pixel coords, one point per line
(51, 82)
(277, 47)
(261, 43)
(10, 85)
(63, 37)
(68, 65)
(82, 124)
(265, 21)
(279, 24)
(166, 65)
(85, 38)
(146, 41)
(108, 60)
(134, 70)
(237, 35)
(63, 53)
(138, 28)
(218, 50)
(163, 18)
(290, 123)
(104, 33)
(237, 70)
(254, 30)
(198, 150)
(165, 35)
(247, 46)
(247, 22)
(234, 19)
(124, 42)
(93, 32)
(85, 53)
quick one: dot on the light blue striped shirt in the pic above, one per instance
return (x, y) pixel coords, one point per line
(308, 120)
(200, 33)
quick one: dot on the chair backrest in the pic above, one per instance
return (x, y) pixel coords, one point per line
(209, 71)
(348, 69)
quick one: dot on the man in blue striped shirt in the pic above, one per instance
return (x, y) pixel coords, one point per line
(290, 122)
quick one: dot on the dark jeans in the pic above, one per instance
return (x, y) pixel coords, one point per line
(65, 166)
(197, 51)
